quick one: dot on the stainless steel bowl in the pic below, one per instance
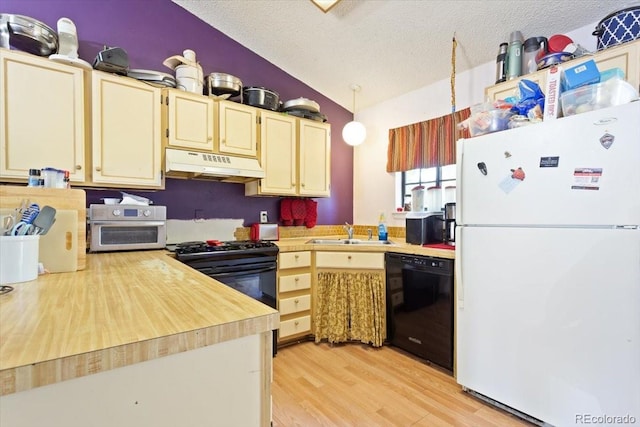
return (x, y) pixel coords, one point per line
(27, 34)
(223, 84)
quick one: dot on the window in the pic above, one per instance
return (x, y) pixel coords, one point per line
(443, 177)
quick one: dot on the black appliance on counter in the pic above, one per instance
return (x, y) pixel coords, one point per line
(420, 306)
(425, 228)
(244, 265)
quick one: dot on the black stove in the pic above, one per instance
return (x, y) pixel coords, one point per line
(248, 266)
(225, 250)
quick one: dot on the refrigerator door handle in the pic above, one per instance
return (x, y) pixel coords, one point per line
(459, 189)
(458, 267)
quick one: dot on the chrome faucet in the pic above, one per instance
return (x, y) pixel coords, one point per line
(349, 229)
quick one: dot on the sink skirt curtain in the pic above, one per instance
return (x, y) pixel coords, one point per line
(350, 306)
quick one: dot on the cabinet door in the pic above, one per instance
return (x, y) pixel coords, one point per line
(626, 57)
(237, 129)
(126, 131)
(41, 116)
(189, 119)
(278, 154)
(314, 165)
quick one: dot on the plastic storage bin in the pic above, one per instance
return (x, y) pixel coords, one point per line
(489, 121)
(593, 97)
(18, 258)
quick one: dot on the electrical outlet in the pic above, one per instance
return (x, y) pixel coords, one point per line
(263, 217)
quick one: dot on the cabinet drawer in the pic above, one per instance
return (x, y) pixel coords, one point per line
(294, 305)
(294, 282)
(294, 259)
(361, 260)
(295, 326)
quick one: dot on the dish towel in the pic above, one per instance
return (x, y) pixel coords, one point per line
(298, 211)
(311, 213)
(285, 212)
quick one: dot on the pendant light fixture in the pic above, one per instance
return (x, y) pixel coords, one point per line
(354, 133)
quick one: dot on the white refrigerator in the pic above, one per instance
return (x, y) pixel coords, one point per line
(548, 268)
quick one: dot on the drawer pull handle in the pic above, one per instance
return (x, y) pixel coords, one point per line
(296, 300)
(349, 257)
(297, 279)
(296, 323)
(296, 256)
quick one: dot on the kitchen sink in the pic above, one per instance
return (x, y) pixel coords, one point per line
(350, 242)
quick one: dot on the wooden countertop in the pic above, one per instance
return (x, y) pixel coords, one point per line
(399, 245)
(124, 308)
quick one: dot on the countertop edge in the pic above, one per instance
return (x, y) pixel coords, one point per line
(22, 378)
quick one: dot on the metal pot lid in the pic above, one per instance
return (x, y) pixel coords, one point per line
(225, 77)
(27, 34)
(301, 103)
(260, 89)
(163, 79)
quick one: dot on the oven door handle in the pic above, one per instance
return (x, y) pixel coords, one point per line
(240, 273)
(133, 223)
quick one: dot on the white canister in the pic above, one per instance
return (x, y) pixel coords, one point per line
(190, 78)
(417, 199)
(449, 194)
(18, 258)
(434, 199)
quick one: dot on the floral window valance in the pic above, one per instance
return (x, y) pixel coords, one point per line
(426, 144)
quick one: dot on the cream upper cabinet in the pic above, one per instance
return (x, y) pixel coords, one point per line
(295, 155)
(187, 120)
(126, 126)
(314, 165)
(237, 129)
(278, 156)
(626, 57)
(42, 110)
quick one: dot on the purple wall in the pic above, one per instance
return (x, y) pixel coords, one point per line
(151, 31)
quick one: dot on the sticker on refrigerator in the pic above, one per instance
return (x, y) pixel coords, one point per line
(512, 180)
(607, 140)
(549, 162)
(586, 179)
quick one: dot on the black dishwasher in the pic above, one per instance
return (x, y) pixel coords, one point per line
(420, 306)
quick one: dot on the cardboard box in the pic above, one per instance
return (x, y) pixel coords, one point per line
(552, 94)
(580, 75)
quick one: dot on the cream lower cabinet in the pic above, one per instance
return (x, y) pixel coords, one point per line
(236, 129)
(294, 295)
(349, 297)
(42, 110)
(126, 127)
(187, 120)
(625, 56)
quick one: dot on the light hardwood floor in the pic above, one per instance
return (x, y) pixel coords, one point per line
(357, 385)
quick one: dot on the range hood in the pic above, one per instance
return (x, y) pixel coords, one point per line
(195, 165)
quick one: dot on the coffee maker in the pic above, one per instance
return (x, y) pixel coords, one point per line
(450, 223)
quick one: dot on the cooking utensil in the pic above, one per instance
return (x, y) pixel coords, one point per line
(301, 104)
(27, 34)
(306, 114)
(223, 84)
(112, 60)
(618, 27)
(261, 98)
(553, 59)
(153, 77)
(45, 219)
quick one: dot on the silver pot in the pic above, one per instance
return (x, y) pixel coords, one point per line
(27, 34)
(223, 84)
(261, 98)
(301, 104)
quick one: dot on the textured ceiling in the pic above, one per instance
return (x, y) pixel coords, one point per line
(388, 47)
